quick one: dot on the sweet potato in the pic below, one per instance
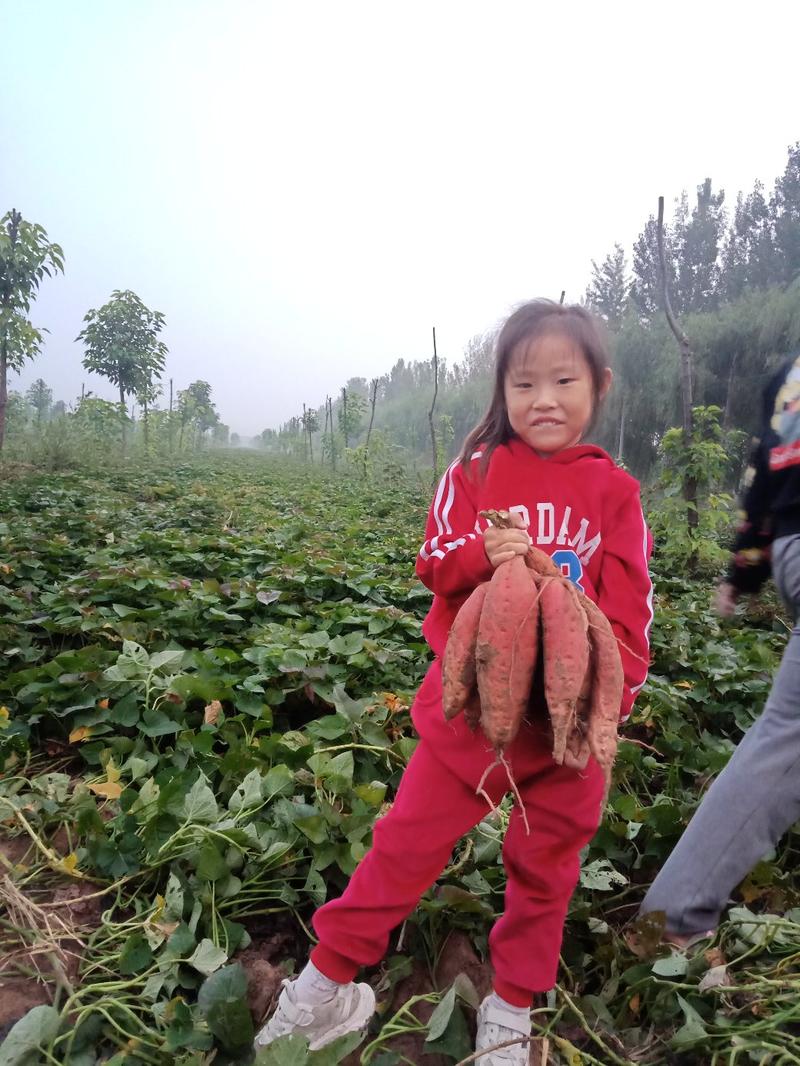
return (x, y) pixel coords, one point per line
(472, 710)
(608, 680)
(541, 563)
(458, 666)
(565, 648)
(506, 650)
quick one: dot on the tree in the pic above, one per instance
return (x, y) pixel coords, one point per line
(690, 477)
(26, 256)
(785, 207)
(146, 396)
(350, 414)
(749, 257)
(196, 409)
(40, 397)
(310, 426)
(646, 287)
(697, 240)
(221, 434)
(609, 288)
(122, 344)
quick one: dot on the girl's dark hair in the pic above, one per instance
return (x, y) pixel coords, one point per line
(531, 320)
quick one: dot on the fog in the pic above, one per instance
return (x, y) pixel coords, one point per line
(305, 189)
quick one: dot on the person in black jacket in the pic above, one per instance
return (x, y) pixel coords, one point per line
(756, 798)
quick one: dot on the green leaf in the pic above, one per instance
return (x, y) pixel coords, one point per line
(180, 943)
(122, 610)
(222, 1002)
(285, 1051)
(314, 827)
(335, 1052)
(136, 955)
(157, 724)
(693, 1030)
(248, 793)
(208, 958)
(441, 1016)
(211, 865)
(200, 804)
(34, 1030)
(600, 876)
(163, 659)
(315, 887)
(134, 652)
(674, 965)
(279, 781)
(372, 794)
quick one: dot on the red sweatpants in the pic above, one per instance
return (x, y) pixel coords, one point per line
(435, 805)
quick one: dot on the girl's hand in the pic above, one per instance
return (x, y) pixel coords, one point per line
(501, 545)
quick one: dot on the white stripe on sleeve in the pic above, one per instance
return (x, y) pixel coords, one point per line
(650, 610)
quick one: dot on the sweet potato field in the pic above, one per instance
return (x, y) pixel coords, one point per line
(205, 681)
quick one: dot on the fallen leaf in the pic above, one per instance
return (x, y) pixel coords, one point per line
(212, 712)
(103, 704)
(634, 1003)
(715, 978)
(82, 733)
(110, 788)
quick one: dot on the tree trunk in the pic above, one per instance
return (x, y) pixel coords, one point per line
(344, 417)
(726, 420)
(13, 231)
(3, 391)
(145, 427)
(305, 432)
(433, 405)
(689, 483)
(123, 415)
(333, 435)
(621, 441)
(169, 429)
(371, 420)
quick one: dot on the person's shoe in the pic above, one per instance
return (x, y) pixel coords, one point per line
(498, 1026)
(348, 1011)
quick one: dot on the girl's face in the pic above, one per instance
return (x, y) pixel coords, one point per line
(549, 393)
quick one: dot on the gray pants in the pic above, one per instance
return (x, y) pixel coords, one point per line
(754, 800)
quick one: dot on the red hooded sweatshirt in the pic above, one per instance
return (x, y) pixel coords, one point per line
(578, 506)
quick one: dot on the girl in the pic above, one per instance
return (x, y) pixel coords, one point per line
(570, 500)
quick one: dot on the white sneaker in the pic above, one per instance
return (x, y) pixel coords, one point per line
(349, 1011)
(496, 1026)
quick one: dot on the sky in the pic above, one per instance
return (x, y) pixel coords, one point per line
(305, 188)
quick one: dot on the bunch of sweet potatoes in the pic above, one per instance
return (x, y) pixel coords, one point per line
(527, 610)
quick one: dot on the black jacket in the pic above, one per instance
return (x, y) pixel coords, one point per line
(770, 506)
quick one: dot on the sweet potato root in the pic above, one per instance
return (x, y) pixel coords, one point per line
(541, 563)
(527, 609)
(458, 666)
(506, 651)
(608, 680)
(565, 651)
